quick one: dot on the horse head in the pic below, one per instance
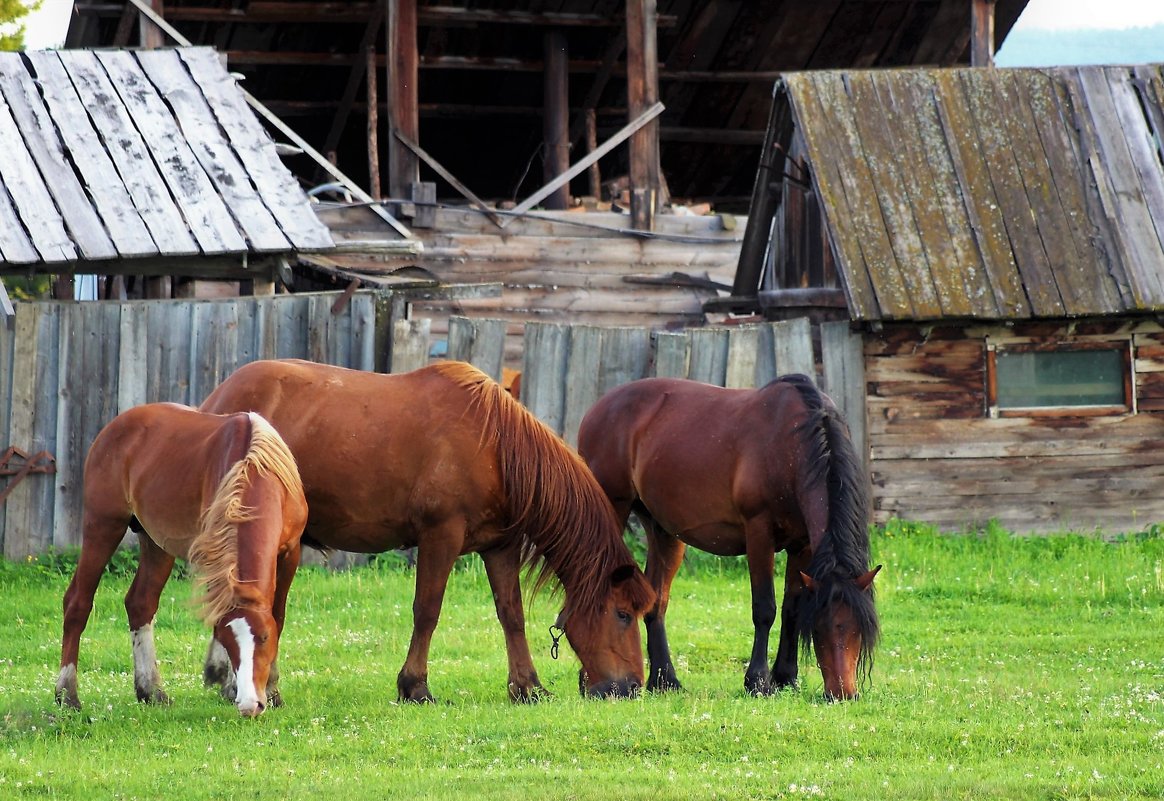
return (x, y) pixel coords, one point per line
(606, 636)
(840, 621)
(251, 639)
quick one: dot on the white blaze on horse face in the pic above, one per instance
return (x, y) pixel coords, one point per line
(246, 699)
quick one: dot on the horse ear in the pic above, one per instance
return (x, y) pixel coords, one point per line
(809, 584)
(866, 581)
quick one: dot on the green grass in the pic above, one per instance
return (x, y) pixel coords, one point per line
(1009, 668)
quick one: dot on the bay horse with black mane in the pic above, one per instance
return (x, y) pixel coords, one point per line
(735, 471)
(220, 491)
(444, 460)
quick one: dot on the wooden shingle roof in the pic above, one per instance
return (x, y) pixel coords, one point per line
(117, 155)
(989, 193)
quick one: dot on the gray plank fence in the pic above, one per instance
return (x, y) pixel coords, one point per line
(66, 369)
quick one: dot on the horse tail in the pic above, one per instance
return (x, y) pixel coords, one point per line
(214, 551)
(568, 527)
(840, 553)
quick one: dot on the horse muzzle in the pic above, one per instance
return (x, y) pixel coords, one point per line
(615, 688)
(251, 710)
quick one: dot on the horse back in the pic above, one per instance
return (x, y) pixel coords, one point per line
(697, 456)
(161, 462)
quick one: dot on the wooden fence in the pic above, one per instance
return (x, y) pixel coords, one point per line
(66, 369)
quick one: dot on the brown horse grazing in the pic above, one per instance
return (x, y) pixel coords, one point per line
(751, 472)
(222, 492)
(445, 460)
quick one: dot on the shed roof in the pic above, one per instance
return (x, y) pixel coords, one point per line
(481, 84)
(121, 155)
(989, 193)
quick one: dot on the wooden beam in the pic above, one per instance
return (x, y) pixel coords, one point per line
(580, 166)
(556, 119)
(981, 33)
(440, 170)
(435, 16)
(151, 35)
(403, 114)
(359, 68)
(373, 126)
(643, 91)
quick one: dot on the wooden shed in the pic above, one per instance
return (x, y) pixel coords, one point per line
(998, 237)
(144, 163)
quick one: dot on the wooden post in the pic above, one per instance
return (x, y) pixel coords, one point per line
(151, 35)
(642, 68)
(403, 108)
(982, 33)
(594, 175)
(556, 120)
(373, 124)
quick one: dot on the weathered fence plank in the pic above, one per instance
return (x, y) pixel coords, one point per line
(792, 347)
(742, 357)
(410, 344)
(543, 372)
(709, 351)
(672, 350)
(843, 361)
(480, 342)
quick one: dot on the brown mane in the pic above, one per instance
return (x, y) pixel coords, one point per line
(567, 525)
(214, 552)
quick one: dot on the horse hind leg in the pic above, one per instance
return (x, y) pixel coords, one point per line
(141, 605)
(435, 554)
(503, 567)
(98, 542)
(664, 556)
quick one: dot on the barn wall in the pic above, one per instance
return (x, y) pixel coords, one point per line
(938, 457)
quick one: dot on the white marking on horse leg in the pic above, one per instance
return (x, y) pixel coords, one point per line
(146, 679)
(247, 699)
(67, 686)
(218, 671)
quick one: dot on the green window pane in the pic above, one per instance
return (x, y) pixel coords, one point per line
(1060, 378)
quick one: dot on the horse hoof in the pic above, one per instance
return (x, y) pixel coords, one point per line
(157, 697)
(413, 691)
(664, 684)
(274, 699)
(68, 701)
(758, 686)
(529, 695)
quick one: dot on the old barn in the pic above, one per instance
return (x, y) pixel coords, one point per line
(997, 238)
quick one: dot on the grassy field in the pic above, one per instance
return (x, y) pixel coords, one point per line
(1009, 668)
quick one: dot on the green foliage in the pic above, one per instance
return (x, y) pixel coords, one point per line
(1009, 668)
(11, 27)
(36, 287)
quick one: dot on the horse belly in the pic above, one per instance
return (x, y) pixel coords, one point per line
(721, 539)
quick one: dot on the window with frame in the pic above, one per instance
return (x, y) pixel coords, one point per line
(1079, 378)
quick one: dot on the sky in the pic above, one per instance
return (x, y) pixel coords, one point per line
(46, 27)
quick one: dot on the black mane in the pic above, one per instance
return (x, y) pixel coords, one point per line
(842, 555)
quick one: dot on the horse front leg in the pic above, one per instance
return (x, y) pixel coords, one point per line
(761, 557)
(285, 568)
(785, 668)
(99, 541)
(435, 555)
(141, 605)
(664, 556)
(503, 567)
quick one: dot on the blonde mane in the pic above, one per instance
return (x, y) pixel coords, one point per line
(214, 552)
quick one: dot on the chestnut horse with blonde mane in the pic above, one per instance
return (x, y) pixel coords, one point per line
(220, 491)
(735, 471)
(444, 460)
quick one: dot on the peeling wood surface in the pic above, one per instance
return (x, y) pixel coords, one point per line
(938, 457)
(129, 154)
(993, 194)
